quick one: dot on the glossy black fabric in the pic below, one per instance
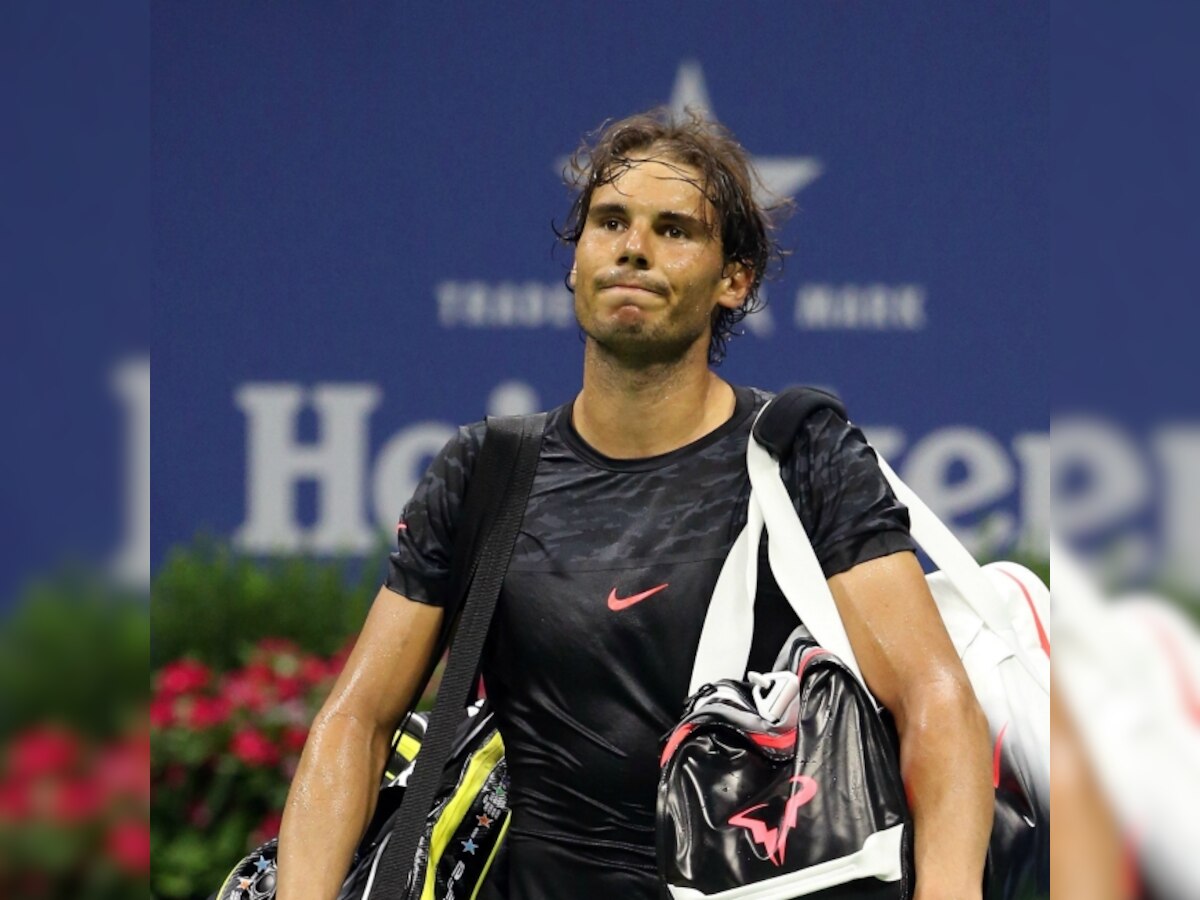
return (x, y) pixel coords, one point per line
(735, 811)
(592, 645)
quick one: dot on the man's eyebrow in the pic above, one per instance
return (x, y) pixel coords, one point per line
(670, 215)
(682, 218)
(607, 209)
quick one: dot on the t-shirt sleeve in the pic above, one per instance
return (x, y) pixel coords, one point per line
(419, 569)
(844, 501)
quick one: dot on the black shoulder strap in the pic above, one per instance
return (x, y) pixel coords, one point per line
(487, 532)
(777, 427)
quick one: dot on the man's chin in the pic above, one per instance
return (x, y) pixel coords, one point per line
(636, 345)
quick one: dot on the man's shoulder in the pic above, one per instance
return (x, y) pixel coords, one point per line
(804, 418)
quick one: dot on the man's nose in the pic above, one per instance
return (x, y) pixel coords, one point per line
(635, 251)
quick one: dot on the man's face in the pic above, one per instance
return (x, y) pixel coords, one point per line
(648, 270)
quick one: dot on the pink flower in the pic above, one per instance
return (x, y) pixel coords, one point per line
(259, 673)
(314, 670)
(129, 845)
(206, 712)
(42, 751)
(294, 738)
(289, 687)
(162, 712)
(16, 801)
(253, 748)
(76, 800)
(124, 770)
(182, 677)
(244, 691)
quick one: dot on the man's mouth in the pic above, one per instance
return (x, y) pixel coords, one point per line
(631, 287)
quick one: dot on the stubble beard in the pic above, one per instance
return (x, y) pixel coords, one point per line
(641, 345)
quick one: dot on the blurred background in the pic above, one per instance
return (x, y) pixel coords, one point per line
(333, 228)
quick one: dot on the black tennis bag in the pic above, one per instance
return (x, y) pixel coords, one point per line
(784, 785)
(464, 831)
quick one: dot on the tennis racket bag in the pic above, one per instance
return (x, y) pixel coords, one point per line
(464, 832)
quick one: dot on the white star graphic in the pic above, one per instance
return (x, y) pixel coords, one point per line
(782, 176)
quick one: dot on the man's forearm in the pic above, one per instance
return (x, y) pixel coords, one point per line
(330, 802)
(945, 761)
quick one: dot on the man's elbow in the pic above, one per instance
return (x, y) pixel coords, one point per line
(946, 705)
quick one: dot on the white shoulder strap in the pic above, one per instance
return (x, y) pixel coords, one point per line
(729, 624)
(949, 555)
(793, 561)
(958, 565)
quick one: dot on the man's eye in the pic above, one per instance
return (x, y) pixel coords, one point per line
(674, 231)
(610, 224)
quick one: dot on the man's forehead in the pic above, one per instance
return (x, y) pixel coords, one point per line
(655, 179)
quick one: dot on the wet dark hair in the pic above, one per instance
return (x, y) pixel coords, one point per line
(727, 179)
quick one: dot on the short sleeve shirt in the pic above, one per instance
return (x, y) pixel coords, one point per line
(591, 648)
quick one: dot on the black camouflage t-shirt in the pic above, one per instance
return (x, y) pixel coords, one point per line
(591, 648)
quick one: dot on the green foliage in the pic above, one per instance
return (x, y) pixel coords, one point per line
(212, 604)
(74, 651)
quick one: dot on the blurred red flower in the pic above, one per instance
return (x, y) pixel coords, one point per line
(16, 800)
(129, 846)
(76, 800)
(124, 770)
(294, 738)
(259, 672)
(253, 748)
(314, 670)
(289, 687)
(162, 712)
(182, 677)
(205, 712)
(244, 692)
(42, 751)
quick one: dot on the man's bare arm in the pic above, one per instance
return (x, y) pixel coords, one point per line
(911, 666)
(332, 797)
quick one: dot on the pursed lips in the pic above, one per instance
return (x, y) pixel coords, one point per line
(631, 287)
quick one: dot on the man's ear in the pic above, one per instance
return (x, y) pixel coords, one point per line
(735, 285)
(571, 277)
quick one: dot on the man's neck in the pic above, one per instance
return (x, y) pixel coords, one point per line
(632, 413)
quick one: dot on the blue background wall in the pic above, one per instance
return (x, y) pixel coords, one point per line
(333, 185)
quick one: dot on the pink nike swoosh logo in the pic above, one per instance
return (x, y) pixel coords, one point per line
(616, 604)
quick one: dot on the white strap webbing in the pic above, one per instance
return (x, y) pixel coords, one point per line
(958, 565)
(793, 561)
(729, 624)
